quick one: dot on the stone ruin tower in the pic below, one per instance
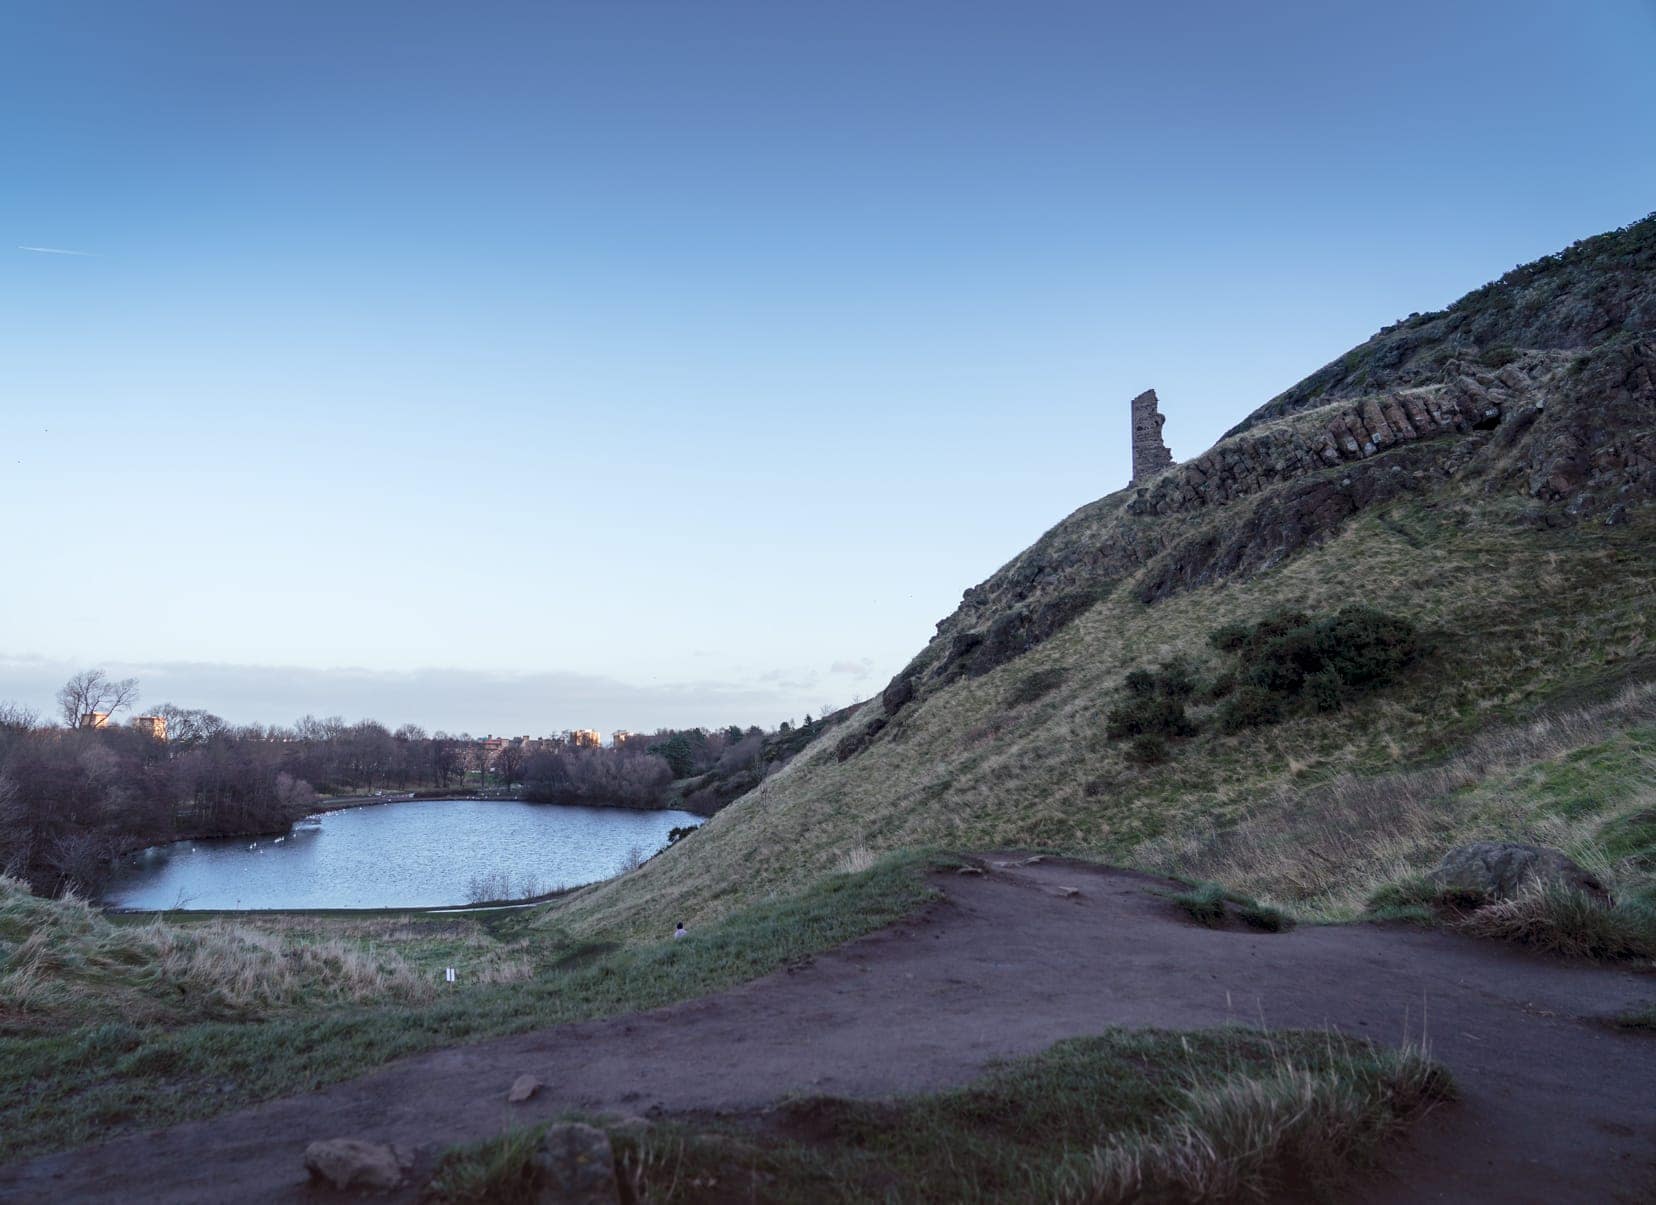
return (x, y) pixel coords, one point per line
(1150, 454)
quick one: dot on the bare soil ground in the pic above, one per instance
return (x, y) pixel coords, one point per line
(1556, 1106)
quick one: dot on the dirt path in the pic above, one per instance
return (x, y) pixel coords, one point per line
(1556, 1106)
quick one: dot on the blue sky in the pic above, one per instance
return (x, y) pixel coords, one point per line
(521, 366)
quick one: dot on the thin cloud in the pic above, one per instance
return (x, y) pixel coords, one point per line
(859, 667)
(457, 700)
(52, 250)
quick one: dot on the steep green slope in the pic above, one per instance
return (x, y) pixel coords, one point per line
(1485, 472)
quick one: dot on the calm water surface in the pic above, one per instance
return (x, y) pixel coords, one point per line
(395, 855)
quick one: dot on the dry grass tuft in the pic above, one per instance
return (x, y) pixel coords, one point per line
(1233, 1138)
(60, 957)
(1559, 919)
(856, 860)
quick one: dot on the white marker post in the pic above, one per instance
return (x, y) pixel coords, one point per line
(448, 974)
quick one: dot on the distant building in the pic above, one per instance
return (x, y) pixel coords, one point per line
(95, 719)
(585, 738)
(152, 726)
(620, 737)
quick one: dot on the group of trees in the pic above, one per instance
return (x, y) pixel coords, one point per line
(639, 771)
(74, 794)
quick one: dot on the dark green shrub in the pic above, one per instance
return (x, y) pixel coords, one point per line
(1148, 749)
(1229, 638)
(1221, 687)
(1153, 715)
(1036, 685)
(1290, 661)
(1324, 691)
(1153, 705)
(1250, 707)
(1141, 683)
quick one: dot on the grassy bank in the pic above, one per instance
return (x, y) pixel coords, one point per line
(1582, 780)
(1209, 1115)
(1527, 624)
(279, 1006)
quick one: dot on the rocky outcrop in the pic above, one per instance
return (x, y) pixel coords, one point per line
(1492, 870)
(1594, 292)
(1246, 465)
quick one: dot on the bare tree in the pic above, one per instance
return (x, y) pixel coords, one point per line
(92, 692)
(188, 726)
(509, 761)
(14, 717)
(81, 861)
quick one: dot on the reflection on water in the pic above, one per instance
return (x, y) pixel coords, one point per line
(399, 855)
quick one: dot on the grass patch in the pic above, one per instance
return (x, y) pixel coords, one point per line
(1355, 845)
(1639, 1019)
(62, 1089)
(1204, 904)
(1209, 903)
(1549, 917)
(1567, 922)
(1215, 1114)
(63, 960)
(1420, 892)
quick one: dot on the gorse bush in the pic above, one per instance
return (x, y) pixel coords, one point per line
(1286, 663)
(1290, 662)
(1153, 708)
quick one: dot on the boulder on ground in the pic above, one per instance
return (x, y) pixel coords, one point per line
(353, 1163)
(523, 1087)
(575, 1165)
(1501, 870)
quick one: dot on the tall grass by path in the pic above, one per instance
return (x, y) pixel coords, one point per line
(1582, 780)
(1127, 1115)
(62, 960)
(63, 1089)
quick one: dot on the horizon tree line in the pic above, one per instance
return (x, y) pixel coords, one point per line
(75, 795)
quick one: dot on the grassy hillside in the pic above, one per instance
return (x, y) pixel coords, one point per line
(1495, 495)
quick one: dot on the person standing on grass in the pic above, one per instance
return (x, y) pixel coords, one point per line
(681, 931)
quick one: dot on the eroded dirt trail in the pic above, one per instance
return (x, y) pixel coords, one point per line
(1556, 1107)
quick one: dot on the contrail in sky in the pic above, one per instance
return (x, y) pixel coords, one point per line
(52, 250)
